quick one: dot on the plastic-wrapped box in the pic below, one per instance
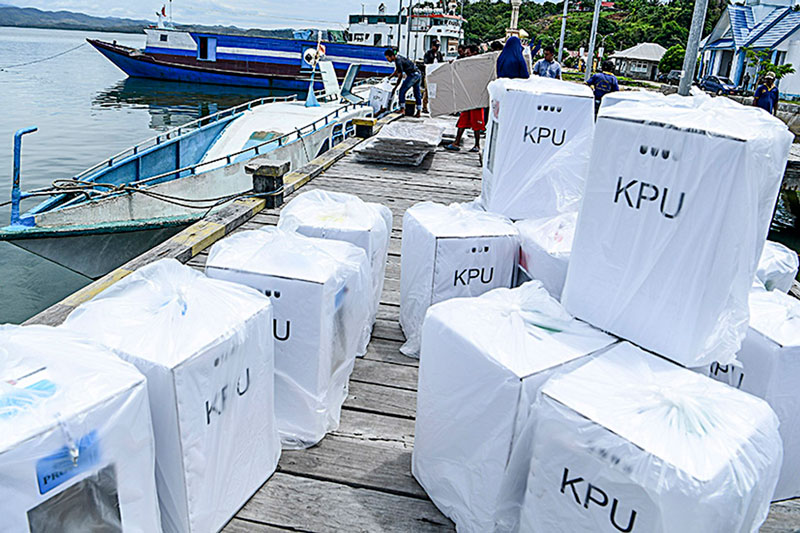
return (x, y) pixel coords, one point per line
(537, 147)
(661, 169)
(545, 247)
(380, 96)
(76, 441)
(482, 362)
(632, 442)
(461, 85)
(344, 217)
(205, 347)
(450, 251)
(768, 366)
(777, 268)
(321, 299)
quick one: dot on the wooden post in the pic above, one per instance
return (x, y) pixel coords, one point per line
(268, 178)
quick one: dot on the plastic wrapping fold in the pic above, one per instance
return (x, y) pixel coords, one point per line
(546, 244)
(76, 439)
(344, 217)
(662, 168)
(206, 349)
(322, 301)
(448, 252)
(482, 361)
(777, 268)
(631, 442)
(461, 85)
(537, 147)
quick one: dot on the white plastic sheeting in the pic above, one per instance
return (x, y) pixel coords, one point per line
(404, 142)
(768, 366)
(76, 441)
(322, 300)
(631, 442)
(380, 97)
(537, 147)
(344, 217)
(777, 268)
(482, 363)
(675, 215)
(206, 350)
(450, 251)
(545, 247)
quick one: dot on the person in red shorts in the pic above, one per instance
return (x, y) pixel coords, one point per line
(474, 120)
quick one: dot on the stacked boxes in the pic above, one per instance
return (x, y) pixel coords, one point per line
(206, 350)
(545, 248)
(344, 217)
(537, 149)
(482, 362)
(322, 300)
(76, 441)
(447, 252)
(777, 267)
(460, 85)
(662, 168)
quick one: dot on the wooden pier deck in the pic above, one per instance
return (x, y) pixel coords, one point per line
(358, 479)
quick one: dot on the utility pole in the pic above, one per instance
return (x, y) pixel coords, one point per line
(563, 31)
(399, 25)
(592, 38)
(692, 46)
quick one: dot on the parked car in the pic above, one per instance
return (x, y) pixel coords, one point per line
(718, 85)
(673, 78)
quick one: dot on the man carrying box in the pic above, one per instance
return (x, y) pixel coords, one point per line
(413, 77)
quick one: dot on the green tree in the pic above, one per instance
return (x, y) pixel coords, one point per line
(761, 60)
(672, 59)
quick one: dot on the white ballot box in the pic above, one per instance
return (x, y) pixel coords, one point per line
(76, 441)
(450, 251)
(482, 362)
(537, 147)
(206, 350)
(321, 297)
(545, 247)
(661, 169)
(344, 217)
(632, 442)
(777, 268)
(380, 97)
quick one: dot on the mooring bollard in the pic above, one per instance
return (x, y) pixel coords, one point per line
(268, 179)
(365, 127)
(411, 108)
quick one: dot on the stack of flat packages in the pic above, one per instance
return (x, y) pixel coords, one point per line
(344, 217)
(632, 442)
(450, 251)
(205, 348)
(662, 168)
(482, 363)
(538, 145)
(545, 248)
(769, 367)
(405, 142)
(76, 441)
(777, 268)
(322, 300)
(461, 85)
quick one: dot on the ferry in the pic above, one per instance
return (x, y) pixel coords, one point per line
(282, 64)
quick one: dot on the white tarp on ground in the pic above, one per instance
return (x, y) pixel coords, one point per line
(321, 299)
(769, 367)
(205, 347)
(344, 217)
(675, 215)
(461, 85)
(482, 363)
(450, 251)
(76, 441)
(545, 247)
(777, 268)
(631, 442)
(537, 147)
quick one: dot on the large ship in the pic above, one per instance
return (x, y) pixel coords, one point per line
(282, 64)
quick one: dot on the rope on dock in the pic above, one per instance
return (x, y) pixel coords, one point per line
(44, 58)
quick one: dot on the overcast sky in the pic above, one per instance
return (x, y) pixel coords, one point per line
(243, 13)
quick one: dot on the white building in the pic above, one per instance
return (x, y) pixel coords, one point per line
(640, 61)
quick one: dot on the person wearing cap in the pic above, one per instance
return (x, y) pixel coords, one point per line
(766, 96)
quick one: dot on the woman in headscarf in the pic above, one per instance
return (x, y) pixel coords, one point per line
(511, 63)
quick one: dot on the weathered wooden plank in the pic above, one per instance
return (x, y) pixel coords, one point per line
(784, 517)
(388, 350)
(380, 429)
(388, 329)
(400, 376)
(237, 525)
(371, 398)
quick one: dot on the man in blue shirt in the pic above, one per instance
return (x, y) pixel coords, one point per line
(603, 83)
(408, 77)
(548, 67)
(766, 96)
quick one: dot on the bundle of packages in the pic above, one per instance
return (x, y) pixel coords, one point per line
(76, 440)
(631, 442)
(768, 366)
(344, 217)
(450, 251)
(777, 268)
(205, 348)
(482, 363)
(405, 142)
(382, 97)
(662, 168)
(538, 147)
(545, 247)
(322, 300)
(460, 85)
